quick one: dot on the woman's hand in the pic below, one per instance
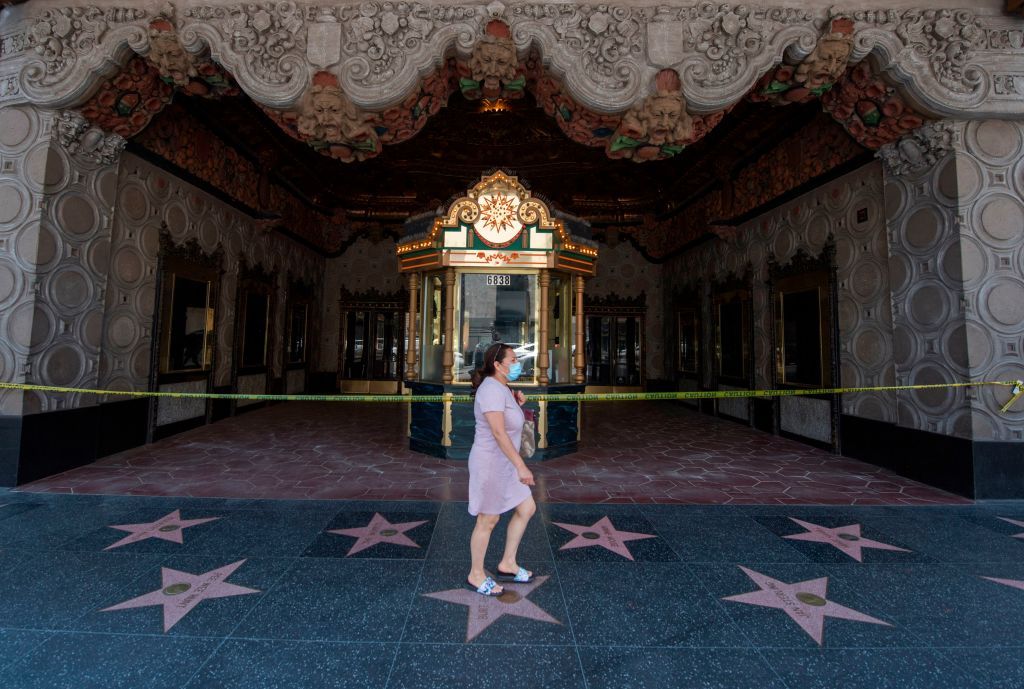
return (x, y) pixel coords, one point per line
(520, 397)
(525, 476)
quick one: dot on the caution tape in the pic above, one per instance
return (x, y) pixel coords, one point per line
(1016, 391)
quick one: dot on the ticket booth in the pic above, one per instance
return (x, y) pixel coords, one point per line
(497, 266)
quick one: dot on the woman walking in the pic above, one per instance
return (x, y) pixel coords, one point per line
(498, 477)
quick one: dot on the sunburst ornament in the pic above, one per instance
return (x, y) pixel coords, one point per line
(498, 224)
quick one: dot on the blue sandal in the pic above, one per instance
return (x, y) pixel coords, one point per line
(520, 577)
(487, 588)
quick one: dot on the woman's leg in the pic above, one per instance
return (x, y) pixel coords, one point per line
(516, 528)
(485, 524)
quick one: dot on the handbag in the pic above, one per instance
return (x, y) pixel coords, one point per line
(528, 443)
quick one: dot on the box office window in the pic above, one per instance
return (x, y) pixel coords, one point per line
(254, 330)
(297, 323)
(799, 323)
(689, 334)
(732, 344)
(188, 342)
(495, 308)
(432, 342)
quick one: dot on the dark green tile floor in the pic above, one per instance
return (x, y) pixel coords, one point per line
(276, 593)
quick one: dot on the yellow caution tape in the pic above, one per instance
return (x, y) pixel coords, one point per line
(1016, 390)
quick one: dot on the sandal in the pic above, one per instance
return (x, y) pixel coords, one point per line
(520, 577)
(487, 588)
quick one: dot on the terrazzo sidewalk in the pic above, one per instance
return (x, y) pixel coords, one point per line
(635, 452)
(185, 593)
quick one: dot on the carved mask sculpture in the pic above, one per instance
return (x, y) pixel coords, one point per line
(176, 66)
(493, 65)
(828, 60)
(328, 116)
(658, 127)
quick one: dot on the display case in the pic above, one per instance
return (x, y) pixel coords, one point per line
(497, 266)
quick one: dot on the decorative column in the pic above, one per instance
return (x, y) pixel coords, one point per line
(579, 360)
(413, 281)
(954, 199)
(57, 190)
(448, 360)
(544, 280)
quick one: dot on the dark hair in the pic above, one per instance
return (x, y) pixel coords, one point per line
(494, 354)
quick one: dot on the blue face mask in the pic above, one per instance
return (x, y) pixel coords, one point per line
(514, 371)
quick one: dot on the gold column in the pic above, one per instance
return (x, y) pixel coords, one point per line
(544, 281)
(448, 357)
(579, 360)
(413, 280)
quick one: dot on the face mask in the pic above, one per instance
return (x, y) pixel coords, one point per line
(514, 371)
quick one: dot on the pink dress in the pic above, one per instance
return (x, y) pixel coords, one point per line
(494, 486)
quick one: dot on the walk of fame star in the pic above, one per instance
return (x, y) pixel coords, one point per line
(180, 592)
(1015, 522)
(845, 538)
(486, 610)
(602, 533)
(805, 602)
(168, 528)
(1015, 583)
(379, 530)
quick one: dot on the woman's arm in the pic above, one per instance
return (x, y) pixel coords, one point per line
(496, 420)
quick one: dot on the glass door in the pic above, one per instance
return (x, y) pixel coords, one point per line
(614, 350)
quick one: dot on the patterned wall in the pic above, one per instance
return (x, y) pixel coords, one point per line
(862, 255)
(957, 236)
(55, 212)
(623, 271)
(365, 265)
(147, 197)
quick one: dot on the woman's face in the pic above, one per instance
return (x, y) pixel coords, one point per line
(508, 360)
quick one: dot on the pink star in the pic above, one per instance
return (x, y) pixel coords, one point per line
(379, 530)
(1015, 583)
(1015, 522)
(168, 528)
(181, 591)
(486, 610)
(602, 533)
(805, 602)
(846, 538)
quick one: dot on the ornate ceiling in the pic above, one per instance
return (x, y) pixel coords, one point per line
(322, 117)
(461, 142)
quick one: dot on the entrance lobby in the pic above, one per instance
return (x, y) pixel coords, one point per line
(759, 271)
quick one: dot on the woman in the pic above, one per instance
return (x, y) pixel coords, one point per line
(498, 477)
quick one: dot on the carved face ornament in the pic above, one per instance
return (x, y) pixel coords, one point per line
(826, 63)
(660, 116)
(493, 61)
(329, 116)
(167, 55)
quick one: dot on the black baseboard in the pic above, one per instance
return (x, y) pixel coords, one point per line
(221, 409)
(57, 441)
(166, 431)
(249, 407)
(321, 383)
(10, 450)
(764, 415)
(122, 426)
(938, 460)
(820, 444)
(998, 470)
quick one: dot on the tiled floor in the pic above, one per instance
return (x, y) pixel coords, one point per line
(125, 592)
(630, 453)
